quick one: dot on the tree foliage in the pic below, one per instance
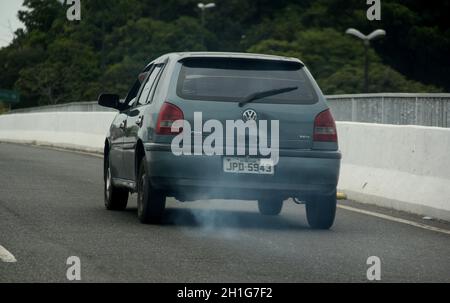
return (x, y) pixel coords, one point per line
(54, 60)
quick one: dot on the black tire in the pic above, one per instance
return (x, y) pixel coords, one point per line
(270, 207)
(116, 198)
(151, 203)
(321, 211)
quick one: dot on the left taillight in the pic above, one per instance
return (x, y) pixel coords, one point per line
(325, 127)
(168, 114)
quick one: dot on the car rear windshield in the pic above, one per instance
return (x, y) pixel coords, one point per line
(234, 80)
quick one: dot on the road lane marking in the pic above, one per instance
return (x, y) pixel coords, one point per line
(56, 148)
(399, 220)
(69, 150)
(6, 256)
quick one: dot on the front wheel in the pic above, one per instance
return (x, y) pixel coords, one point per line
(269, 207)
(116, 198)
(321, 211)
(151, 203)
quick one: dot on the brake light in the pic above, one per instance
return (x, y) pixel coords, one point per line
(325, 127)
(168, 114)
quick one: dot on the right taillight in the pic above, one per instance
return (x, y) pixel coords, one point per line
(168, 114)
(325, 127)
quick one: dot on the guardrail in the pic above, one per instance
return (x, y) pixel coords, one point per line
(386, 108)
(401, 167)
(399, 109)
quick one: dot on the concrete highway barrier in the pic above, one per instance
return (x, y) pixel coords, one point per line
(84, 131)
(401, 167)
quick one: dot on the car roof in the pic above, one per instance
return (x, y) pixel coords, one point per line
(180, 56)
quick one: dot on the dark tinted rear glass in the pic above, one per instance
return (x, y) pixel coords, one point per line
(235, 79)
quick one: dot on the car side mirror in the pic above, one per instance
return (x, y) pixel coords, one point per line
(109, 100)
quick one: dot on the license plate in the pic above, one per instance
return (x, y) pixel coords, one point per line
(248, 166)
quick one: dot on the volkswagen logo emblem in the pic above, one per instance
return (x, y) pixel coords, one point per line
(249, 115)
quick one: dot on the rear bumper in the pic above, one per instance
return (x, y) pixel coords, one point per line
(298, 173)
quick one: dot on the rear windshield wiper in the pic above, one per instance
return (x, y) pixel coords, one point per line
(267, 93)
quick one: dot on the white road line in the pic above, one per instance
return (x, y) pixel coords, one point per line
(6, 256)
(390, 218)
(69, 150)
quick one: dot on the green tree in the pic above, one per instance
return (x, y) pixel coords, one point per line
(54, 60)
(336, 61)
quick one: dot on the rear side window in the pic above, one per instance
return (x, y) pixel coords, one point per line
(148, 89)
(233, 80)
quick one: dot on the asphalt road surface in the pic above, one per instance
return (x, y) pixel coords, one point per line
(51, 208)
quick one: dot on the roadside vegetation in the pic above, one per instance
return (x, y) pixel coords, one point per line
(53, 60)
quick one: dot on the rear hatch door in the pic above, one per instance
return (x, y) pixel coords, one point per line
(214, 87)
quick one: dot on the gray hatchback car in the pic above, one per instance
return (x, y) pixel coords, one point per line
(222, 87)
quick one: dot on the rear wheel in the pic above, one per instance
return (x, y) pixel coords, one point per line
(269, 207)
(116, 198)
(151, 203)
(321, 211)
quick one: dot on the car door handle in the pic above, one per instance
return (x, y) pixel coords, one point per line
(123, 124)
(139, 121)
